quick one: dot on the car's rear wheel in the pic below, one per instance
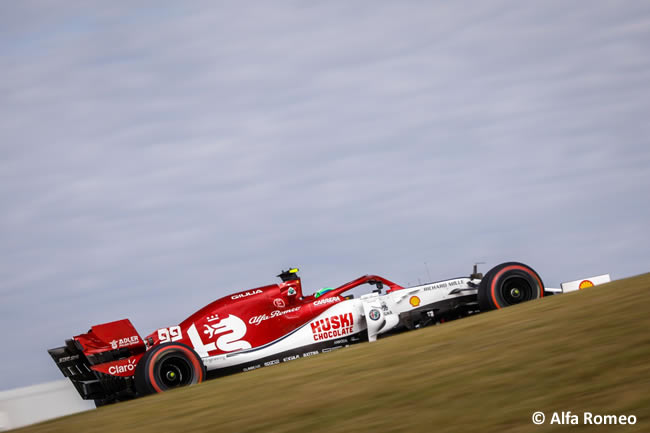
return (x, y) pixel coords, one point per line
(509, 284)
(170, 365)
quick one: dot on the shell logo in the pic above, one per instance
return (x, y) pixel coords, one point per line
(414, 301)
(584, 284)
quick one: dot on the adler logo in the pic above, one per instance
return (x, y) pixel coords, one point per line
(332, 327)
(123, 368)
(246, 294)
(124, 342)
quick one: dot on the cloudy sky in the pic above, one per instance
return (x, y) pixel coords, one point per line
(159, 155)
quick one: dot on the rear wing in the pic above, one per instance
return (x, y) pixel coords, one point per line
(100, 363)
(119, 335)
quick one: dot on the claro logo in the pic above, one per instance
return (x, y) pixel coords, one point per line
(123, 368)
(332, 327)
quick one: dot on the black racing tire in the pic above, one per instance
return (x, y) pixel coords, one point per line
(170, 365)
(509, 284)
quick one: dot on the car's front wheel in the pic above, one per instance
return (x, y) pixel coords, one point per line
(509, 284)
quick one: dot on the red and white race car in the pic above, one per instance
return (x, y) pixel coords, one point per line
(278, 323)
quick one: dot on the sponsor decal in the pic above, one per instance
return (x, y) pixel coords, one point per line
(129, 367)
(374, 314)
(584, 284)
(214, 359)
(170, 334)
(325, 301)
(252, 367)
(256, 320)
(213, 318)
(291, 291)
(341, 341)
(332, 327)
(68, 358)
(435, 287)
(330, 349)
(279, 303)
(246, 294)
(443, 285)
(304, 355)
(124, 342)
(290, 358)
(414, 301)
(268, 363)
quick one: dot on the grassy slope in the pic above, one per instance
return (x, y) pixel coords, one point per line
(584, 351)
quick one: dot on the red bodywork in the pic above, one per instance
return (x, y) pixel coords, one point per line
(240, 321)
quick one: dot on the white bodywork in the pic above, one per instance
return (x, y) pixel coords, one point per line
(392, 304)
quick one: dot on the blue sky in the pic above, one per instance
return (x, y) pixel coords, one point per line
(157, 156)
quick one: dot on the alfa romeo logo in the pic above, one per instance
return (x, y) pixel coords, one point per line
(374, 314)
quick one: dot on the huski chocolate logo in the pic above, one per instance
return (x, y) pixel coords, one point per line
(332, 327)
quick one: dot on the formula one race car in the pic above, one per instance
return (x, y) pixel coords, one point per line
(277, 323)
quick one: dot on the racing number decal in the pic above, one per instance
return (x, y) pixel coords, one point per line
(170, 334)
(233, 328)
(231, 341)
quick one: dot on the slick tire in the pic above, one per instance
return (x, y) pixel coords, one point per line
(509, 284)
(170, 365)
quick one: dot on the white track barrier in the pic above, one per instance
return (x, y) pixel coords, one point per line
(32, 404)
